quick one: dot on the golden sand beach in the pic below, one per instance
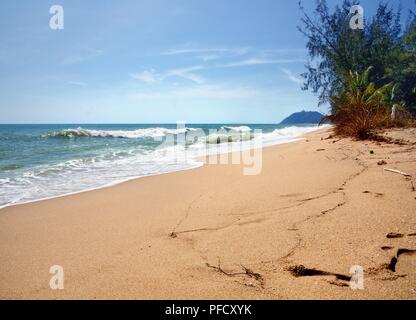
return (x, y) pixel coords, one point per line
(320, 206)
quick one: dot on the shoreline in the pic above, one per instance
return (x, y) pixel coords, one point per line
(199, 162)
(321, 203)
(112, 184)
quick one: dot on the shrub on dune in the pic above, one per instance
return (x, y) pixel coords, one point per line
(360, 107)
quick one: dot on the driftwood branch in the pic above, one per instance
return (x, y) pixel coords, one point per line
(247, 272)
(398, 172)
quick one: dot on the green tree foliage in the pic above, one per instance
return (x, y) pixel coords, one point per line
(403, 69)
(335, 50)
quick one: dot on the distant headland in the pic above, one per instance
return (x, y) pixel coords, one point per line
(303, 117)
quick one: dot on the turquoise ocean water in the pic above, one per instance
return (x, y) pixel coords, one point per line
(44, 161)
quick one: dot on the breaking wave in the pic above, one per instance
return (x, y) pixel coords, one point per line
(237, 129)
(130, 134)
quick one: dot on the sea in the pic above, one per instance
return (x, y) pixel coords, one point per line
(45, 161)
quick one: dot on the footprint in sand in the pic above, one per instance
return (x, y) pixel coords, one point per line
(386, 248)
(403, 261)
(376, 194)
(394, 235)
(407, 262)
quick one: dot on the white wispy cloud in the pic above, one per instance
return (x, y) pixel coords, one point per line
(217, 51)
(148, 76)
(291, 76)
(215, 58)
(209, 57)
(188, 73)
(151, 76)
(258, 61)
(192, 77)
(209, 54)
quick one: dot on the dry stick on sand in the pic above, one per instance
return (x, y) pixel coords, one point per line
(397, 171)
(247, 272)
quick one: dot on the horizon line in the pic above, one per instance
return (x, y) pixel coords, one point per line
(133, 123)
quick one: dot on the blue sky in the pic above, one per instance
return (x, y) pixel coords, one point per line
(154, 61)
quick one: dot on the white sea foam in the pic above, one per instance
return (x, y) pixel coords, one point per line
(238, 129)
(287, 134)
(138, 133)
(112, 167)
(293, 131)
